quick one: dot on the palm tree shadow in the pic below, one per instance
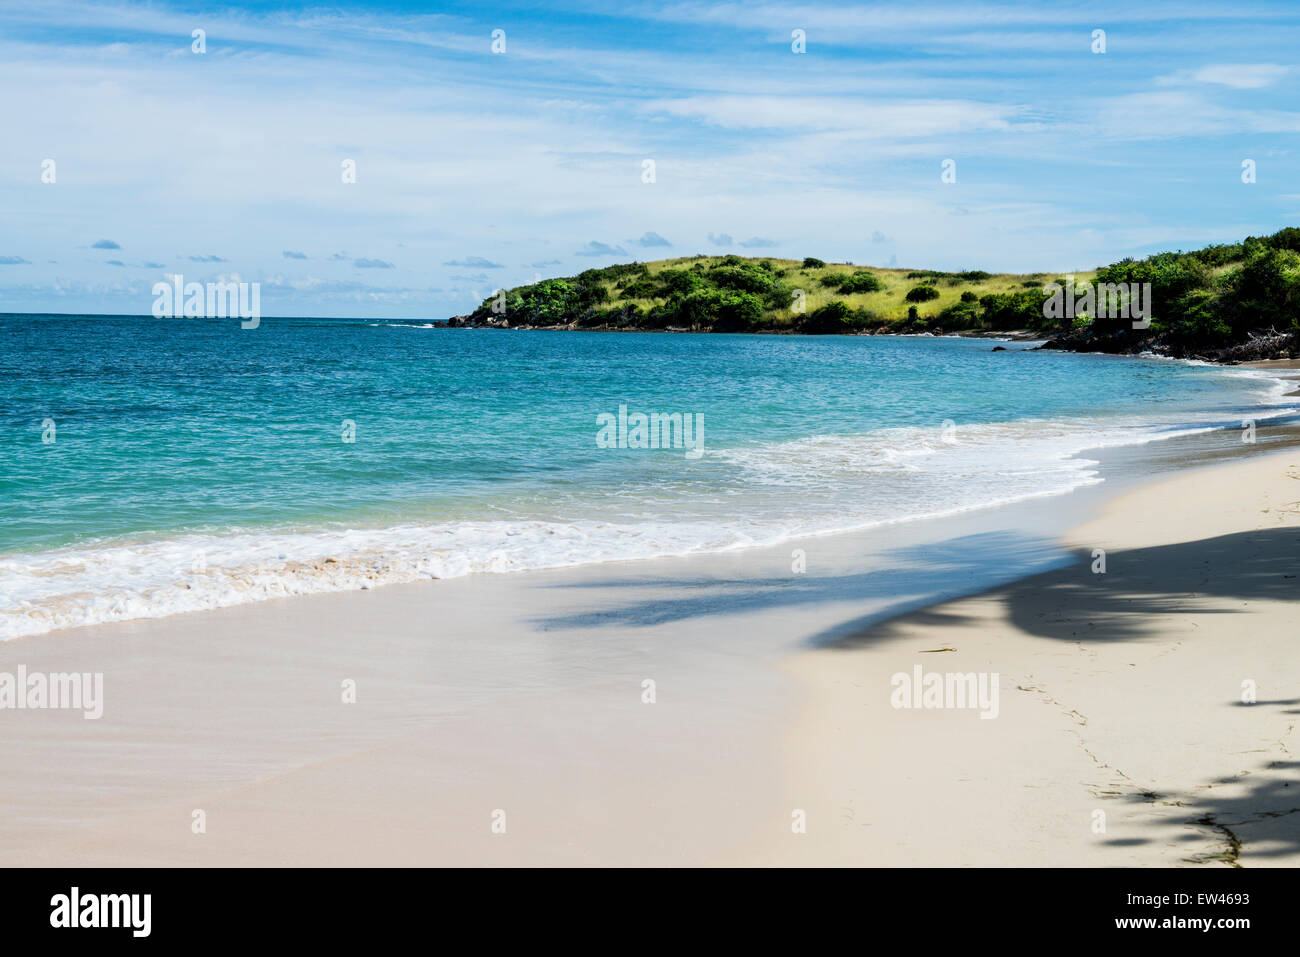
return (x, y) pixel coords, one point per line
(1141, 592)
(1260, 819)
(1263, 820)
(912, 578)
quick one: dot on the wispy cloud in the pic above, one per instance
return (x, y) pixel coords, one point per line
(1238, 76)
(474, 262)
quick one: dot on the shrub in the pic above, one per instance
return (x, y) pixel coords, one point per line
(811, 263)
(1219, 255)
(834, 317)
(641, 289)
(961, 315)
(861, 281)
(1015, 310)
(681, 282)
(624, 271)
(922, 293)
(1264, 292)
(744, 277)
(1288, 238)
(1201, 320)
(738, 312)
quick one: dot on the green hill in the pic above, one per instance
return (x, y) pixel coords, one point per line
(1210, 297)
(738, 294)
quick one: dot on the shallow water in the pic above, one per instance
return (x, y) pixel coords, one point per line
(156, 466)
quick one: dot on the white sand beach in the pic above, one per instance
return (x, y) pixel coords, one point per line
(1119, 693)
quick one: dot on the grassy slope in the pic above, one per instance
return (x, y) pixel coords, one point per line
(888, 303)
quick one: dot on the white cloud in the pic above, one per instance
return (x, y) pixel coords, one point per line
(1238, 76)
(866, 119)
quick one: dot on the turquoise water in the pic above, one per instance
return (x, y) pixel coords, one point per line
(194, 463)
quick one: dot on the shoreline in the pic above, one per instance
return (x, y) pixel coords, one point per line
(1048, 341)
(525, 692)
(338, 569)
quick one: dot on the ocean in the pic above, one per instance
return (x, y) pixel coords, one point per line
(156, 466)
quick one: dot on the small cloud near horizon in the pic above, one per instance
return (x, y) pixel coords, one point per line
(290, 254)
(722, 239)
(548, 262)
(13, 261)
(105, 244)
(758, 242)
(652, 239)
(473, 262)
(373, 264)
(206, 259)
(879, 237)
(115, 262)
(594, 248)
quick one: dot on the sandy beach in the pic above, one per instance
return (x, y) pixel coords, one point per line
(696, 710)
(1122, 696)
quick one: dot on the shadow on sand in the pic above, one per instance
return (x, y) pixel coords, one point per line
(1141, 595)
(1142, 591)
(910, 578)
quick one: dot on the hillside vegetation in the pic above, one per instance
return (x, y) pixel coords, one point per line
(1201, 299)
(736, 294)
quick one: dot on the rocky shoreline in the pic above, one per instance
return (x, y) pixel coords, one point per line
(885, 329)
(1262, 345)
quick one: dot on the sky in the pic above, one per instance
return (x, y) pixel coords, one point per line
(477, 169)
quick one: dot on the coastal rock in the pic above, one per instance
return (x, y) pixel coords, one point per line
(1260, 344)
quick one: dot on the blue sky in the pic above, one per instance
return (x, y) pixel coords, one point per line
(477, 170)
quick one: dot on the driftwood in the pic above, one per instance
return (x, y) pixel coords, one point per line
(1269, 344)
